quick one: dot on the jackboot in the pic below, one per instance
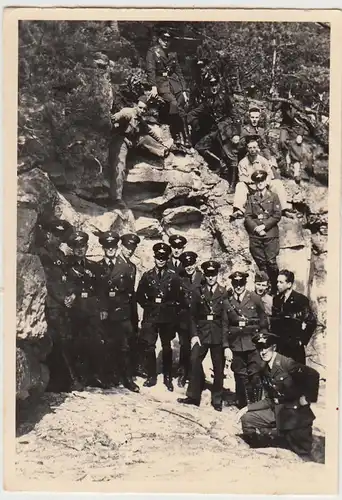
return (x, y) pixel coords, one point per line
(151, 369)
(167, 368)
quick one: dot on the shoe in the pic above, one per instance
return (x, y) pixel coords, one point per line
(181, 381)
(150, 382)
(131, 386)
(168, 383)
(77, 386)
(217, 406)
(236, 215)
(188, 401)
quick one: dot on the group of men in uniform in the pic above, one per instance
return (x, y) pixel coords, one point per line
(92, 315)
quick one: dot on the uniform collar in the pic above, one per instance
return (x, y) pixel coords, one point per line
(109, 261)
(241, 297)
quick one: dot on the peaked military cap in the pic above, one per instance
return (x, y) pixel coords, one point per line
(177, 241)
(210, 267)
(261, 276)
(259, 176)
(77, 239)
(238, 276)
(188, 258)
(55, 225)
(109, 239)
(130, 240)
(264, 339)
(254, 108)
(161, 251)
(165, 34)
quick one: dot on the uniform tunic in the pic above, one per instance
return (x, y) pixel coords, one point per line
(284, 384)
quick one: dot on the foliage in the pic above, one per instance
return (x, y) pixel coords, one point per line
(72, 74)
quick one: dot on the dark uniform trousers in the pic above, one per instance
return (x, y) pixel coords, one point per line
(264, 249)
(58, 360)
(280, 413)
(161, 297)
(85, 326)
(117, 298)
(185, 324)
(294, 322)
(246, 318)
(210, 324)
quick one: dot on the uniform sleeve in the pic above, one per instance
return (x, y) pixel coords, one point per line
(125, 114)
(151, 68)
(141, 298)
(275, 215)
(194, 312)
(250, 222)
(310, 321)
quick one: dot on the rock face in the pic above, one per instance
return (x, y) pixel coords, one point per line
(182, 196)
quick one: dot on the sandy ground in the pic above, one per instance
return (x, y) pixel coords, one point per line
(99, 436)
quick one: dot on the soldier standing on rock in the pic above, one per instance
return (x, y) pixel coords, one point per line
(292, 318)
(192, 278)
(262, 216)
(116, 280)
(160, 294)
(166, 80)
(130, 132)
(177, 244)
(54, 263)
(209, 332)
(83, 311)
(284, 413)
(246, 317)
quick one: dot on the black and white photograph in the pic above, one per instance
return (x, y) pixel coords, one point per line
(172, 193)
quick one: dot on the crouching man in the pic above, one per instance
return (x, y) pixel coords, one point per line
(285, 411)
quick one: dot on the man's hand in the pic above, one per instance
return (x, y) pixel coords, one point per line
(240, 414)
(154, 91)
(260, 229)
(303, 401)
(69, 299)
(103, 315)
(228, 354)
(195, 340)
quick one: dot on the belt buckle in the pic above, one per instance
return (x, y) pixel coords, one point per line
(111, 294)
(164, 74)
(84, 295)
(210, 317)
(158, 300)
(260, 216)
(242, 323)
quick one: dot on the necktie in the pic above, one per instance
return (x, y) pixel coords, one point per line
(111, 264)
(238, 298)
(211, 292)
(160, 273)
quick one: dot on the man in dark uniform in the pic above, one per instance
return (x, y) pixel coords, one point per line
(253, 129)
(83, 304)
(116, 279)
(131, 131)
(246, 317)
(129, 244)
(262, 215)
(160, 295)
(166, 79)
(285, 412)
(209, 331)
(192, 278)
(54, 263)
(177, 244)
(292, 318)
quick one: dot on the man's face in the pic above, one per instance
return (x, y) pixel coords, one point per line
(266, 353)
(239, 286)
(110, 252)
(176, 252)
(254, 116)
(299, 139)
(211, 280)
(164, 42)
(261, 185)
(282, 284)
(127, 252)
(253, 148)
(80, 252)
(190, 269)
(235, 139)
(160, 263)
(141, 108)
(261, 288)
